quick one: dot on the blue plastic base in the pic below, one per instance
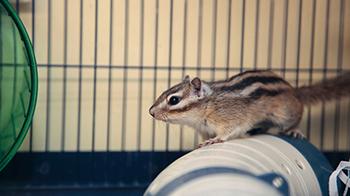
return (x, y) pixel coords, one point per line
(99, 173)
(60, 191)
(117, 172)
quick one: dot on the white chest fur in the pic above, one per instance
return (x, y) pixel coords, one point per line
(204, 128)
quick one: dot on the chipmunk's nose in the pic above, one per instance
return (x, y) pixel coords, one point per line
(151, 111)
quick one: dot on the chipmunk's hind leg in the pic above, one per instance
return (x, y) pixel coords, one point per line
(261, 127)
(295, 133)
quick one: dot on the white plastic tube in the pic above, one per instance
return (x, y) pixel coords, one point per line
(260, 165)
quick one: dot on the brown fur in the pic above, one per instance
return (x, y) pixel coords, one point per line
(327, 90)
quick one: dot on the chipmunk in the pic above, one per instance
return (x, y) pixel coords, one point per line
(248, 103)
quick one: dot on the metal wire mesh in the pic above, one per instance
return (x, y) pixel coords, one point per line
(102, 63)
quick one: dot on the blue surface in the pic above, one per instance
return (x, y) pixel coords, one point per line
(63, 173)
(61, 191)
(98, 173)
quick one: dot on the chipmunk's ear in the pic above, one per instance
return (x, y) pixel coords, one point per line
(186, 79)
(196, 83)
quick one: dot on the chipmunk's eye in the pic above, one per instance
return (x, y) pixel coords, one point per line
(174, 100)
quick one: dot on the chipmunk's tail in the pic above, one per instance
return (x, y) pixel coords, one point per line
(325, 91)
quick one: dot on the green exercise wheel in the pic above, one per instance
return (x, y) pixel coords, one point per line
(18, 83)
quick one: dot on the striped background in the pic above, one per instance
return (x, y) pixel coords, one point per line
(101, 64)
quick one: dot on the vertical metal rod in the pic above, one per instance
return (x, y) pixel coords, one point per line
(33, 44)
(325, 67)
(169, 65)
(348, 121)
(199, 54)
(110, 53)
(300, 12)
(48, 89)
(256, 39)
(339, 70)
(140, 75)
(95, 78)
(215, 29)
(17, 7)
(285, 37)
(311, 63)
(125, 74)
(110, 74)
(184, 41)
(271, 32)
(242, 36)
(199, 37)
(64, 77)
(109, 94)
(155, 71)
(228, 49)
(80, 72)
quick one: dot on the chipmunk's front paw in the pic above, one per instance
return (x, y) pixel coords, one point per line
(210, 142)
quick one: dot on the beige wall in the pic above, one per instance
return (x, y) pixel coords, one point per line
(57, 53)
